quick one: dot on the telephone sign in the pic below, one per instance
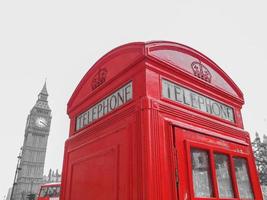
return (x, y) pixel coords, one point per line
(197, 101)
(113, 101)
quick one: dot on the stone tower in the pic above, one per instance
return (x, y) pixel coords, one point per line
(30, 175)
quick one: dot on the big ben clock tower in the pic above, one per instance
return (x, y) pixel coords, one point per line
(30, 175)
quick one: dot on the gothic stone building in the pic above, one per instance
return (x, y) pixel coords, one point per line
(52, 177)
(30, 175)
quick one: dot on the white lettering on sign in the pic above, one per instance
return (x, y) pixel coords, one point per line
(110, 103)
(197, 101)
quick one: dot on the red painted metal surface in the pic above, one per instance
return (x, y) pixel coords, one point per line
(141, 116)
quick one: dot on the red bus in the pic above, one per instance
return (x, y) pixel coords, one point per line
(49, 191)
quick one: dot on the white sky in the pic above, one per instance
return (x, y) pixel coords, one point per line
(60, 40)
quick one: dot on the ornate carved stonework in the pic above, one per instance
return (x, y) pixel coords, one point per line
(201, 71)
(99, 78)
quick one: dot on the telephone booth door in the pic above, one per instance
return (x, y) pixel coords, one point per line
(212, 168)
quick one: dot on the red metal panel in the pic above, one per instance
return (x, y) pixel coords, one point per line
(99, 166)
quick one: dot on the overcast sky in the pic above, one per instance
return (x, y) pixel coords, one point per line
(61, 40)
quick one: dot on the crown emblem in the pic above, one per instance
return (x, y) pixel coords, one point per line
(201, 71)
(99, 78)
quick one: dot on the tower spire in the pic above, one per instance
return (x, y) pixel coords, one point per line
(42, 98)
(44, 89)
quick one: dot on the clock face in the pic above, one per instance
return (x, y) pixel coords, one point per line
(41, 122)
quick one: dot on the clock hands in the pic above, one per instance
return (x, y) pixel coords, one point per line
(41, 122)
(45, 124)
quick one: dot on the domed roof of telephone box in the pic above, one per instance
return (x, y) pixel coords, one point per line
(176, 55)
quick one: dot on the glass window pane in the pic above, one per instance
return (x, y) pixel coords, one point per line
(223, 176)
(52, 191)
(58, 191)
(201, 173)
(242, 177)
(43, 192)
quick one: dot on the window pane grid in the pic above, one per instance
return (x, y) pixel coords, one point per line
(223, 176)
(242, 178)
(201, 173)
(219, 175)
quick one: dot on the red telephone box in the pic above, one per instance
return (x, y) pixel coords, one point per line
(157, 121)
